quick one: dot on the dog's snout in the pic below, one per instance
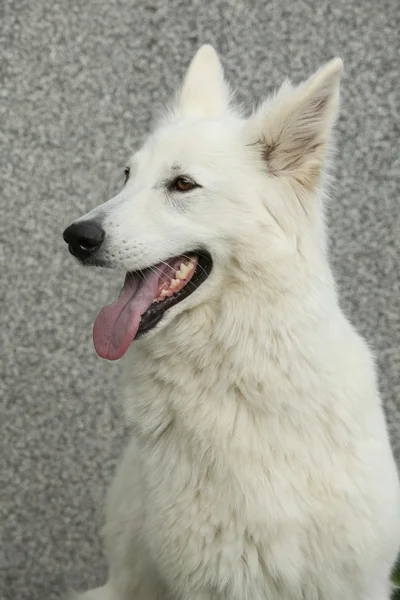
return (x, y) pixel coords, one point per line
(83, 238)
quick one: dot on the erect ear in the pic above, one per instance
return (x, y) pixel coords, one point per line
(204, 92)
(293, 127)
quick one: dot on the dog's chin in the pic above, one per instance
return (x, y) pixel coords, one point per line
(148, 295)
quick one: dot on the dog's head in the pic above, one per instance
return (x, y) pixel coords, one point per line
(212, 197)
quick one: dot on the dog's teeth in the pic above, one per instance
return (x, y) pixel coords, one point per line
(184, 270)
(174, 284)
(179, 275)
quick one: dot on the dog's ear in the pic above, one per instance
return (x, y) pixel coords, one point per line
(204, 92)
(292, 129)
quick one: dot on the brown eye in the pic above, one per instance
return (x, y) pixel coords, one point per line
(127, 172)
(184, 184)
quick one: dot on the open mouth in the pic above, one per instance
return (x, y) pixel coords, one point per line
(143, 300)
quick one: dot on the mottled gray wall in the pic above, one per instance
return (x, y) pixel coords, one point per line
(80, 82)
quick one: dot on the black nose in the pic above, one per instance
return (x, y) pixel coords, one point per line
(83, 238)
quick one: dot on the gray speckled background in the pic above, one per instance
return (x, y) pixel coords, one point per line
(79, 84)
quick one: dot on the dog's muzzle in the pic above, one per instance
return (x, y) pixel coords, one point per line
(84, 238)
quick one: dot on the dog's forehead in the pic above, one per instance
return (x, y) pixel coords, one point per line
(188, 141)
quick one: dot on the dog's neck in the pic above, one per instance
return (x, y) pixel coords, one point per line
(247, 332)
(221, 373)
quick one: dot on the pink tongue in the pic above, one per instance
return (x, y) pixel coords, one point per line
(117, 324)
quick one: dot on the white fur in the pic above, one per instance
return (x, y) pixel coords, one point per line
(259, 466)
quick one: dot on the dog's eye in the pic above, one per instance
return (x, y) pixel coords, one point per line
(184, 184)
(127, 172)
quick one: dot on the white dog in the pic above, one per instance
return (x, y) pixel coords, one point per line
(259, 466)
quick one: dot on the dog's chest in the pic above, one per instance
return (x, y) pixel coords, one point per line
(217, 481)
(207, 522)
(235, 494)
